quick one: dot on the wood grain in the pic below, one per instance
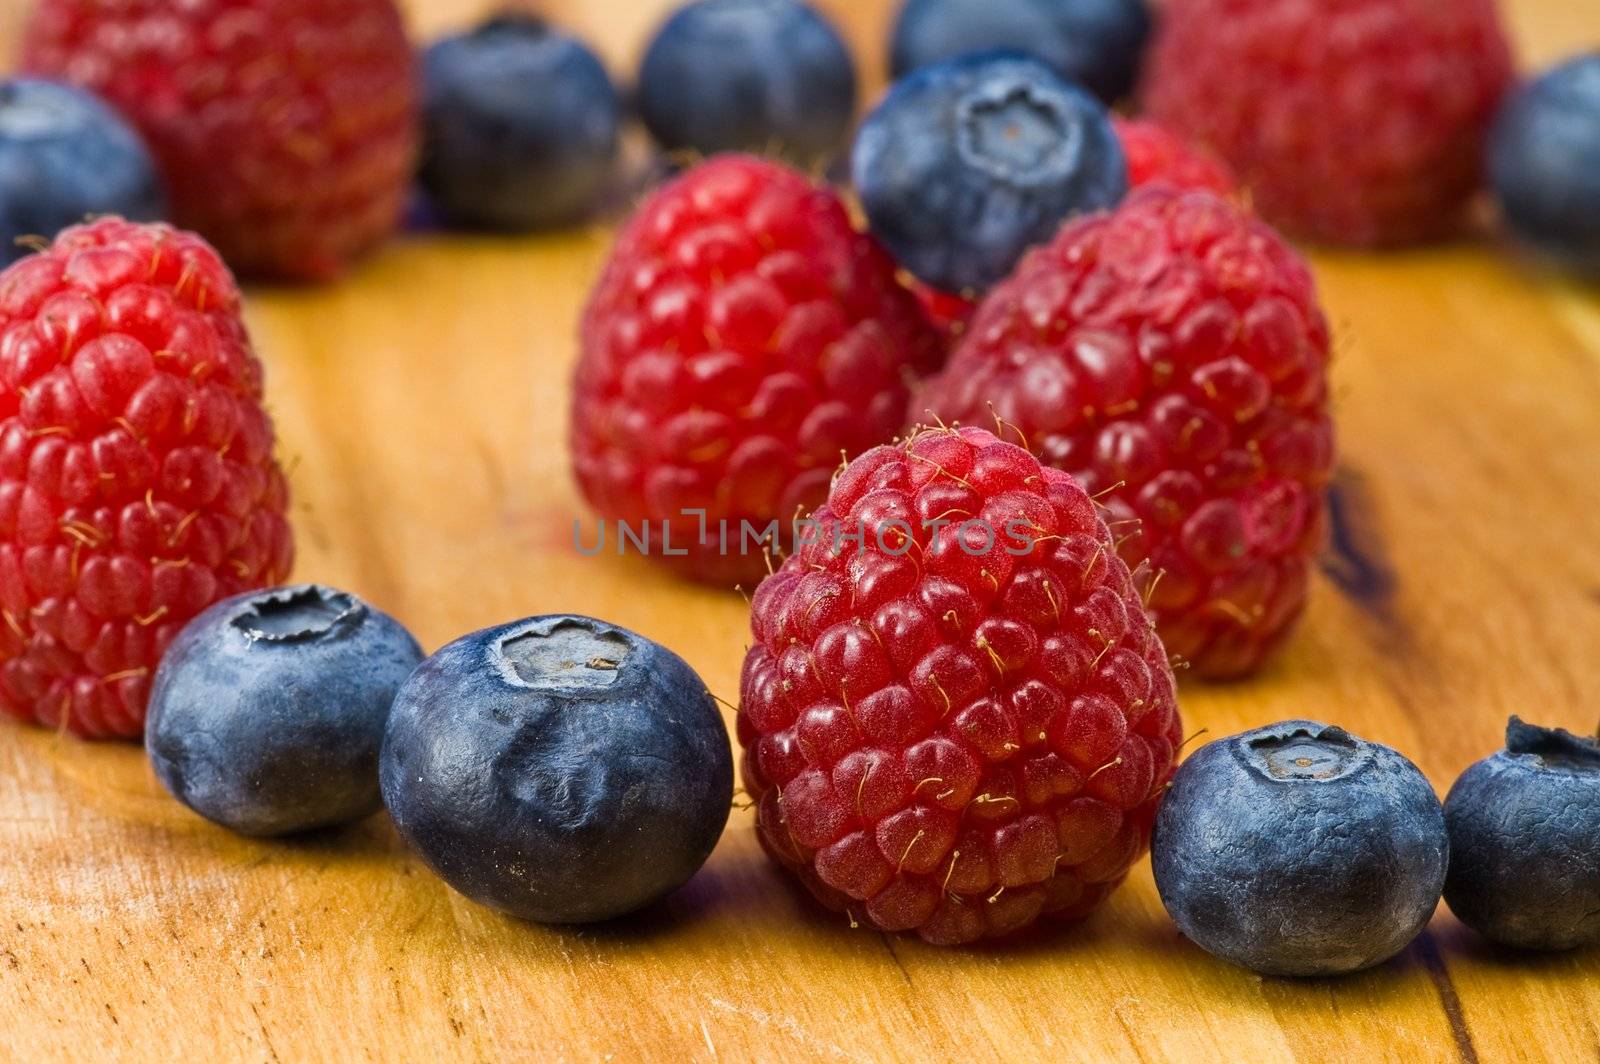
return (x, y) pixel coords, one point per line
(422, 407)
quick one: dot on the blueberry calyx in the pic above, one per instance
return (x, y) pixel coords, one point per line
(560, 652)
(1303, 752)
(521, 23)
(298, 614)
(1553, 749)
(1019, 133)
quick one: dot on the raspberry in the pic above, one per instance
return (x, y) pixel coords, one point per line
(963, 721)
(1172, 356)
(946, 311)
(137, 483)
(742, 336)
(1156, 155)
(1353, 121)
(285, 129)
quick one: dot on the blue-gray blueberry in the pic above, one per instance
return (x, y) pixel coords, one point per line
(560, 769)
(267, 712)
(64, 156)
(1299, 849)
(520, 126)
(1544, 163)
(1097, 43)
(748, 75)
(967, 164)
(1525, 841)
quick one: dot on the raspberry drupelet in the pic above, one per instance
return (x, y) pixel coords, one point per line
(742, 336)
(1158, 156)
(1172, 356)
(1358, 122)
(962, 720)
(137, 478)
(285, 130)
(947, 312)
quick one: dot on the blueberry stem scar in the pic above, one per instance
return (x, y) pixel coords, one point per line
(296, 614)
(1555, 748)
(1304, 754)
(1019, 135)
(563, 653)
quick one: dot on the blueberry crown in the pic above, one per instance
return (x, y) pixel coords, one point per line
(297, 614)
(568, 652)
(1018, 122)
(525, 23)
(1303, 751)
(1554, 747)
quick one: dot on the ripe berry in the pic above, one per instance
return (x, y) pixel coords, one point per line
(137, 482)
(64, 155)
(268, 709)
(1158, 156)
(1352, 121)
(742, 336)
(1299, 849)
(1525, 841)
(748, 75)
(959, 719)
(560, 769)
(1172, 356)
(1544, 163)
(968, 163)
(521, 126)
(285, 129)
(1097, 43)
(947, 312)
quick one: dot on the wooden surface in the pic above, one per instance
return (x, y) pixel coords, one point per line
(422, 409)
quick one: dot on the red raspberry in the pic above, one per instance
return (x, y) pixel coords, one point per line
(1156, 155)
(137, 483)
(946, 311)
(963, 721)
(1353, 121)
(1172, 356)
(742, 336)
(285, 129)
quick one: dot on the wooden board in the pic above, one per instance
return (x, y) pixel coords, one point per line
(422, 407)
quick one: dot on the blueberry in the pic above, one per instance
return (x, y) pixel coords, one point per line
(267, 712)
(560, 769)
(966, 164)
(520, 126)
(1299, 849)
(748, 75)
(1525, 841)
(64, 155)
(1097, 43)
(1544, 163)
